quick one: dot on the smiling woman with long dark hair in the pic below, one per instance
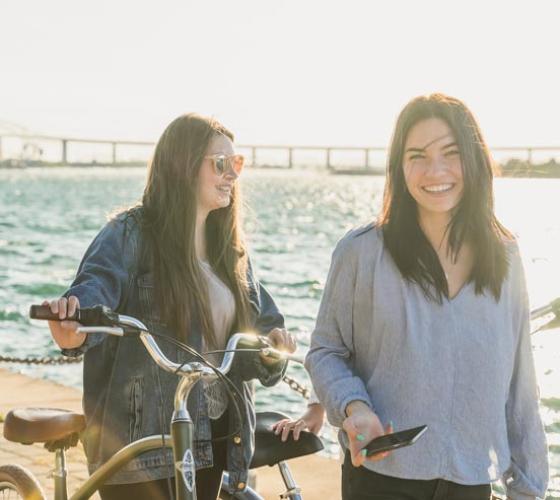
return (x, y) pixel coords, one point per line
(425, 320)
(472, 222)
(178, 262)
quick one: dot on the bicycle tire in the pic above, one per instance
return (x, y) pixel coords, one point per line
(19, 480)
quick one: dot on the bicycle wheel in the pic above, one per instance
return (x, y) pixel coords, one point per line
(18, 483)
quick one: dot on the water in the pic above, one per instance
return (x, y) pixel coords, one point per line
(293, 220)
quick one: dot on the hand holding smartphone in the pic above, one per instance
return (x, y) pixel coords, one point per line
(395, 440)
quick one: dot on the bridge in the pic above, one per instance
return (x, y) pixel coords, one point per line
(21, 147)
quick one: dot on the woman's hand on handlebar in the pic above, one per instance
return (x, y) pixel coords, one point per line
(64, 332)
(361, 426)
(282, 340)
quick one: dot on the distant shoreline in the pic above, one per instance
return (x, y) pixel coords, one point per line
(519, 168)
(512, 168)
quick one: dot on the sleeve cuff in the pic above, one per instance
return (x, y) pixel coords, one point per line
(271, 375)
(72, 353)
(337, 417)
(350, 399)
(313, 399)
(91, 340)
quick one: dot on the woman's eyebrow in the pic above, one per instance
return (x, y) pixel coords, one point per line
(415, 150)
(423, 149)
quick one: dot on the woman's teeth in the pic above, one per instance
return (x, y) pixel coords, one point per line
(225, 189)
(438, 188)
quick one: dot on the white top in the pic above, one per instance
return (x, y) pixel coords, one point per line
(222, 308)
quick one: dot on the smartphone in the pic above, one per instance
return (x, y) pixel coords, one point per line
(395, 440)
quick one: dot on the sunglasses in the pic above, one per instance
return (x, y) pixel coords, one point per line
(222, 163)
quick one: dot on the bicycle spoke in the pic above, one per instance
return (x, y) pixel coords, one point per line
(7, 492)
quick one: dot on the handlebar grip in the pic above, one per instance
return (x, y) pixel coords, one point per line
(87, 316)
(45, 313)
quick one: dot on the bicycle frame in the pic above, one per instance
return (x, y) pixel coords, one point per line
(180, 441)
(116, 462)
(182, 427)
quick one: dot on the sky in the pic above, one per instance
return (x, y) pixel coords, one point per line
(299, 72)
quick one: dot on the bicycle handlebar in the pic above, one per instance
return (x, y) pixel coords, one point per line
(552, 307)
(103, 320)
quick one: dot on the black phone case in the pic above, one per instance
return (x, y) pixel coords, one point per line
(395, 440)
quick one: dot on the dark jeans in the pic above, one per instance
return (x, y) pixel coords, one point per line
(359, 483)
(208, 481)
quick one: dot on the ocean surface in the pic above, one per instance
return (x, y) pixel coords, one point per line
(293, 219)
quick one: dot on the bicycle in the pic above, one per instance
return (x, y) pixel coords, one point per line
(59, 429)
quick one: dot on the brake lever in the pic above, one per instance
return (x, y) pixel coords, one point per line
(264, 341)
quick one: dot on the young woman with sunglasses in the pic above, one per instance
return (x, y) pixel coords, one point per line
(177, 261)
(425, 320)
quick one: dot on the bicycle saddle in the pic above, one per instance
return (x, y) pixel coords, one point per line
(42, 425)
(270, 449)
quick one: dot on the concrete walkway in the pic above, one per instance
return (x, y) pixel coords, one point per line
(319, 477)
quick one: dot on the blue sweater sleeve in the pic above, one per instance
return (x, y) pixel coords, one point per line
(329, 360)
(527, 476)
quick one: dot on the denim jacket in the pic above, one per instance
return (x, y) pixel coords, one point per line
(122, 399)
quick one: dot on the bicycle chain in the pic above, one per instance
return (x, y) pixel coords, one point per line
(58, 360)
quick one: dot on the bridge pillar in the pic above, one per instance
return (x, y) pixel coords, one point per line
(253, 157)
(65, 151)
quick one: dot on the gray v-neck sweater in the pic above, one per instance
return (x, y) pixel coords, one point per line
(464, 368)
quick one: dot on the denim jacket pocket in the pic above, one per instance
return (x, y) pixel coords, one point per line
(136, 403)
(149, 309)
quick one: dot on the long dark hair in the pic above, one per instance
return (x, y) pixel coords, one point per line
(473, 220)
(168, 225)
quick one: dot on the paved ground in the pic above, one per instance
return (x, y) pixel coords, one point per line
(319, 477)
